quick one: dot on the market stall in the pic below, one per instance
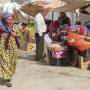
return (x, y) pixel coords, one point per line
(81, 43)
(62, 37)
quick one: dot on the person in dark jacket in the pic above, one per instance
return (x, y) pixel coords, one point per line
(63, 19)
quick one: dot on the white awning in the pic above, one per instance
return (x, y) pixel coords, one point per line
(71, 6)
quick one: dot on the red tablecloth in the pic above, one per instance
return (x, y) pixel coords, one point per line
(79, 43)
(74, 36)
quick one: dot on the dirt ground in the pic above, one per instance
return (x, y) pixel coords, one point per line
(31, 75)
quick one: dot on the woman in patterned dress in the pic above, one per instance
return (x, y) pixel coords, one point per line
(8, 46)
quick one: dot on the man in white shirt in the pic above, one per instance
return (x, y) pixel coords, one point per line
(40, 28)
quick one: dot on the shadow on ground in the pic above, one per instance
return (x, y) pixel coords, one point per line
(2, 82)
(28, 57)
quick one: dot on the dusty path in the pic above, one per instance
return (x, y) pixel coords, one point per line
(31, 75)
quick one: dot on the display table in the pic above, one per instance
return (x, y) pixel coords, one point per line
(78, 41)
(74, 40)
(56, 51)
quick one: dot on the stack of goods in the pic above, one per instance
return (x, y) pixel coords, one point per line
(55, 47)
(78, 41)
(58, 51)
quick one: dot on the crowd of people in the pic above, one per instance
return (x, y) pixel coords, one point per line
(44, 33)
(48, 31)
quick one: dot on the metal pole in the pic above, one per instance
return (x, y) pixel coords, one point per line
(52, 15)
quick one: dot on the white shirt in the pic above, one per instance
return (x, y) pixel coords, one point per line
(39, 24)
(47, 40)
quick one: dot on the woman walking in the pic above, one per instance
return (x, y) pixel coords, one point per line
(8, 46)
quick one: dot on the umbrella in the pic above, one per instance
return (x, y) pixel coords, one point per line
(21, 17)
(54, 4)
(31, 9)
(34, 7)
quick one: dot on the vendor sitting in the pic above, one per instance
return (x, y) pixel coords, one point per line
(64, 19)
(79, 28)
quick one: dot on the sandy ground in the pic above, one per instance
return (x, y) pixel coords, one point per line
(31, 75)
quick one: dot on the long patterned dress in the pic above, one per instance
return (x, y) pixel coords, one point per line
(7, 57)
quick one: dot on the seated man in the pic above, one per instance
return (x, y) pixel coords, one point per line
(64, 19)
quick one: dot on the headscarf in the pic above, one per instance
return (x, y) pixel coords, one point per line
(3, 23)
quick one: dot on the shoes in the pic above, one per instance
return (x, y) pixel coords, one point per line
(8, 83)
(44, 56)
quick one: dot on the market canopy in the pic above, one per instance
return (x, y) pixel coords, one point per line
(72, 6)
(53, 4)
(32, 8)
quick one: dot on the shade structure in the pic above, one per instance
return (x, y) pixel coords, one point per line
(34, 7)
(21, 17)
(54, 4)
(72, 6)
(85, 9)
